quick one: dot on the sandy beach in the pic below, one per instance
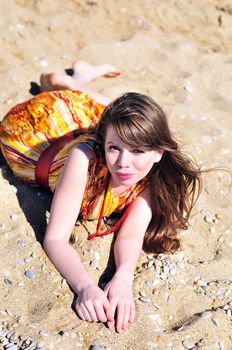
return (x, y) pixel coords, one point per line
(180, 53)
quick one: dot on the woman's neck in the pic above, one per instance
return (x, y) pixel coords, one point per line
(117, 190)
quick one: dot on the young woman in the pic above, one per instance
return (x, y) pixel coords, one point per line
(101, 160)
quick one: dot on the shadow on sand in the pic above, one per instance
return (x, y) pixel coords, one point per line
(34, 201)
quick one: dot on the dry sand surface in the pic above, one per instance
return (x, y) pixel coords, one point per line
(179, 52)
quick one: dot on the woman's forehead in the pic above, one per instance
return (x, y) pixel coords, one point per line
(112, 135)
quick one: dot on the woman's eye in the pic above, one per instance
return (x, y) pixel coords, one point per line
(138, 151)
(113, 148)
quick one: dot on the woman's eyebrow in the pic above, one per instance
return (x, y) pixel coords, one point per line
(112, 142)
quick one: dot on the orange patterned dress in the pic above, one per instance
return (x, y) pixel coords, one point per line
(31, 129)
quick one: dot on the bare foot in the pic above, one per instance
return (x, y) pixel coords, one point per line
(85, 72)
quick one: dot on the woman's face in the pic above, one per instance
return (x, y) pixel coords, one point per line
(127, 164)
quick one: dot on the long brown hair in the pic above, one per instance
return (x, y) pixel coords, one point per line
(174, 181)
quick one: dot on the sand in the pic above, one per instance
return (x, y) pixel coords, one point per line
(179, 52)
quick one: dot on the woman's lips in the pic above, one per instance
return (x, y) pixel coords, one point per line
(124, 176)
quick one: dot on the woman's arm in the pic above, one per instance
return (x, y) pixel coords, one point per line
(127, 249)
(92, 304)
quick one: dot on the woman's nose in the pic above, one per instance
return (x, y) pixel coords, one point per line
(123, 159)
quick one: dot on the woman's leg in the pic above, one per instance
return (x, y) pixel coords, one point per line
(83, 73)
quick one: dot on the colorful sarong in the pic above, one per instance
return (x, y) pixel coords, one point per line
(31, 127)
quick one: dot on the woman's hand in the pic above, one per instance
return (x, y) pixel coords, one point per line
(92, 305)
(127, 248)
(120, 296)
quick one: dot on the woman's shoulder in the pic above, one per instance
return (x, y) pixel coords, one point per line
(88, 151)
(89, 143)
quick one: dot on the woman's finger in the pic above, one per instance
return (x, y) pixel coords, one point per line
(108, 311)
(112, 309)
(85, 313)
(92, 313)
(80, 314)
(127, 311)
(111, 302)
(100, 311)
(120, 317)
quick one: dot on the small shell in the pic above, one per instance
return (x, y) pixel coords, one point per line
(12, 347)
(30, 274)
(188, 344)
(215, 322)
(206, 314)
(154, 317)
(44, 333)
(145, 299)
